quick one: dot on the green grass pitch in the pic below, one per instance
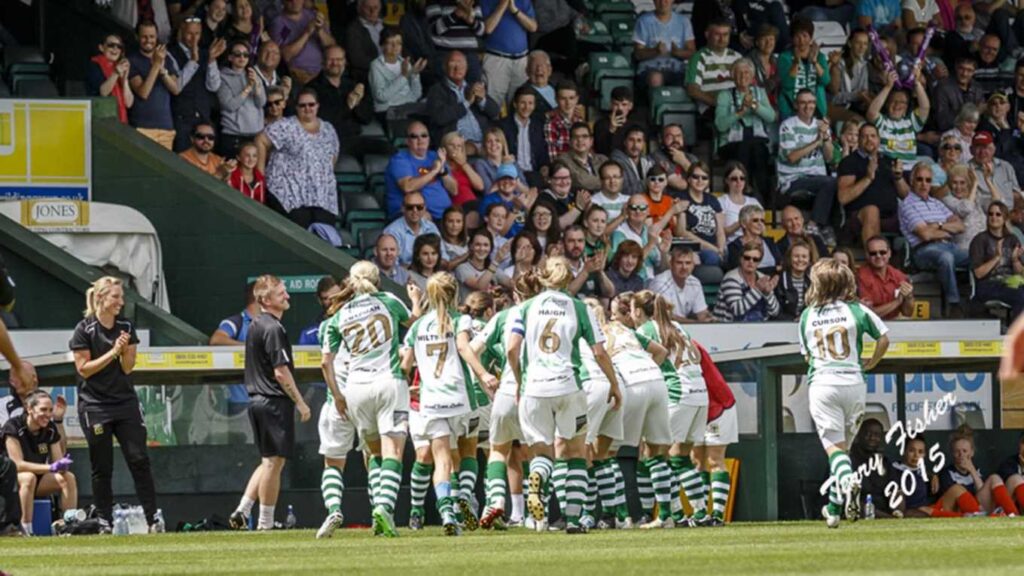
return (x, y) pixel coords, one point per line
(975, 546)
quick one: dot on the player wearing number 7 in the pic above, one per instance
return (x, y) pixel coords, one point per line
(439, 343)
(365, 334)
(831, 331)
(544, 353)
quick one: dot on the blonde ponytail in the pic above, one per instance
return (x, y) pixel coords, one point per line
(556, 274)
(441, 290)
(364, 277)
(97, 292)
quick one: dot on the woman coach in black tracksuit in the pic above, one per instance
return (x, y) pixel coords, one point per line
(104, 347)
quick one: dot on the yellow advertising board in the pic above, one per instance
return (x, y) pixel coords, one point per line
(46, 149)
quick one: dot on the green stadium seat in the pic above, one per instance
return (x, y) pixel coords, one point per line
(602, 7)
(367, 233)
(597, 34)
(607, 86)
(24, 59)
(348, 172)
(608, 65)
(669, 99)
(375, 165)
(621, 28)
(35, 87)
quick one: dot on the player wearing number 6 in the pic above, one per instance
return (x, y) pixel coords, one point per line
(831, 331)
(544, 353)
(365, 334)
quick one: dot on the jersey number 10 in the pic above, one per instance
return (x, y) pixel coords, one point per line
(836, 340)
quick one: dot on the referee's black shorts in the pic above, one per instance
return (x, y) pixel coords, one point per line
(273, 425)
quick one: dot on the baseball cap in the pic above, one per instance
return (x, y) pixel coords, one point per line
(982, 138)
(507, 171)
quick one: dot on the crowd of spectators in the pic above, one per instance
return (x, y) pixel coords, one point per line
(876, 148)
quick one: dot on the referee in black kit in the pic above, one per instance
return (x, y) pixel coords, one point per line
(274, 397)
(104, 346)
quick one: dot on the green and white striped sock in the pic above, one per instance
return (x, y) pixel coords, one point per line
(591, 504)
(469, 470)
(331, 487)
(390, 481)
(691, 482)
(621, 510)
(661, 479)
(719, 493)
(605, 486)
(575, 489)
(558, 477)
(644, 486)
(705, 482)
(842, 470)
(419, 485)
(495, 484)
(373, 477)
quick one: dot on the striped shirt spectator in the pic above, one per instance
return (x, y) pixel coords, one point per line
(710, 69)
(738, 301)
(795, 134)
(450, 31)
(899, 137)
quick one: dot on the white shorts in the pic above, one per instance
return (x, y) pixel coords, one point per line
(504, 424)
(337, 434)
(481, 426)
(423, 429)
(688, 423)
(380, 409)
(723, 430)
(837, 412)
(544, 419)
(645, 415)
(601, 419)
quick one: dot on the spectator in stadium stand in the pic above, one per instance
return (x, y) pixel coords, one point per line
(635, 162)
(458, 26)
(881, 286)
(559, 123)
(710, 68)
(526, 253)
(743, 119)
(569, 203)
(994, 67)
(538, 72)
(587, 270)
(841, 11)
(200, 80)
(736, 197)
(929, 227)
(302, 152)
(410, 226)
(242, 98)
(246, 24)
(268, 60)
(672, 156)
(362, 39)
(765, 61)
(805, 146)
(848, 70)
(681, 288)
(201, 154)
(107, 75)
(920, 14)
(846, 144)
(541, 221)
(595, 224)
(663, 41)
(154, 79)
(493, 154)
(610, 130)
(746, 295)
(995, 257)
(419, 45)
(506, 26)
(658, 201)
(455, 104)
(898, 129)
(869, 187)
(752, 229)
(611, 198)
(1011, 471)
(526, 133)
(104, 348)
(326, 288)
(844, 256)
(506, 192)
(584, 165)
(624, 270)
(950, 155)
(33, 444)
(802, 68)
(962, 42)
(961, 197)
(794, 280)
(454, 240)
(232, 330)
(953, 92)
(215, 22)
(964, 128)
(656, 238)
(342, 98)
(1016, 92)
(479, 271)
(793, 224)
(395, 81)
(883, 15)
(558, 23)
(419, 169)
(996, 122)
(704, 222)
(277, 99)
(990, 492)
(997, 180)
(302, 35)
(869, 445)
(385, 256)
(246, 177)
(500, 226)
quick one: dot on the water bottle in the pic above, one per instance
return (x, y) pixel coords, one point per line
(158, 522)
(869, 509)
(137, 523)
(72, 515)
(290, 521)
(120, 523)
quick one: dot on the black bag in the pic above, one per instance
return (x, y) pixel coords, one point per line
(10, 504)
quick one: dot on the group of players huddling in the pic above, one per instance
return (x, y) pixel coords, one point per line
(551, 387)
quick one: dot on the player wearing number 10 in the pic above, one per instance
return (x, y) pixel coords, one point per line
(365, 334)
(544, 352)
(831, 330)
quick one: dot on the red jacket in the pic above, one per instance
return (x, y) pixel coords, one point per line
(720, 397)
(257, 191)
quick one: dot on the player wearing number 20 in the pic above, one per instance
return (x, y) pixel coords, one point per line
(544, 353)
(831, 331)
(365, 334)
(439, 343)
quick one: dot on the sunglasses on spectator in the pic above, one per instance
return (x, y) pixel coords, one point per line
(657, 179)
(923, 179)
(414, 207)
(699, 176)
(276, 102)
(204, 136)
(237, 54)
(877, 253)
(638, 207)
(751, 258)
(417, 135)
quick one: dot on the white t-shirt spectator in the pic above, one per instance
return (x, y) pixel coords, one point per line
(731, 211)
(687, 301)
